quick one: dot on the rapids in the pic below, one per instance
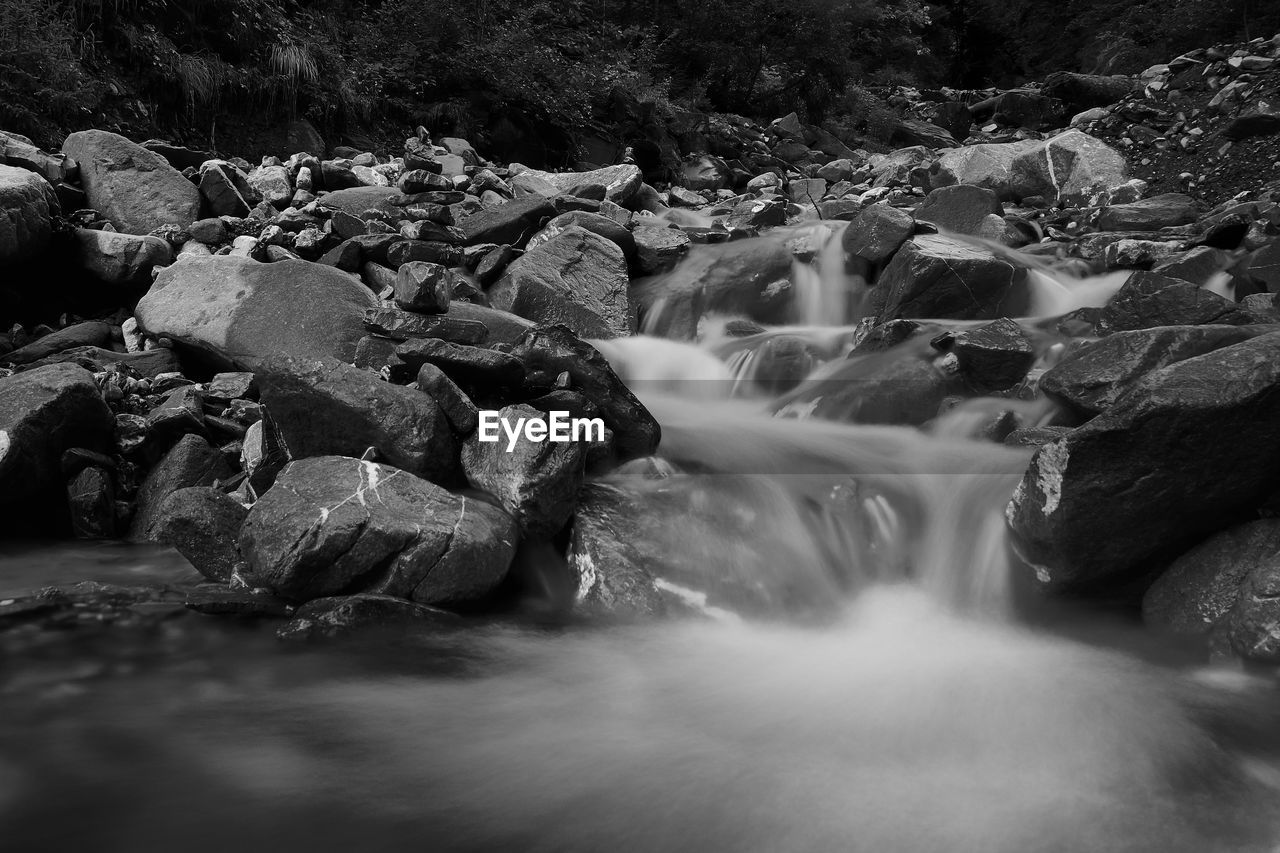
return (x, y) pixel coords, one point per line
(931, 712)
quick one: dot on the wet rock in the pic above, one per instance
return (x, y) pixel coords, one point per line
(202, 524)
(744, 277)
(465, 364)
(934, 276)
(995, 356)
(403, 325)
(1203, 584)
(1150, 214)
(120, 259)
(1252, 627)
(876, 233)
(346, 615)
(334, 525)
(593, 222)
(1153, 473)
(1198, 265)
(512, 223)
(235, 312)
(1149, 299)
(425, 287)
(1092, 376)
(324, 407)
(882, 388)
(555, 349)
(985, 166)
(27, 205)
(136, 189)
(91, 499)
(451, 399)
(1035, 436)
(659, 248)
(1069, 167)
(221, 600)
(757, 213)
(536, 482)
(962, 208)
(620, 182)
(577, 278)
(43, 413)
(191, 462)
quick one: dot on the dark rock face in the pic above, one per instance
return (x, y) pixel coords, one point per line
(602, 226)
(556, 349)
(323, 407)
(936, 277)
(995, 356)
(465, 364)
(27, 205)
(135, 188)
(347, 615)
(512, 223)
(334, 525)
(537, 483)
(91, 498)
(80, 335)
(237, 312)
(43, 413)
(1149, 299)
(425, 287)
(1093, 376)
(1202, 585)
(202, 524)
(1154, 472)
(577, 278)
(961, 208)
(191, 462)
(1079, 92)
(748, 277)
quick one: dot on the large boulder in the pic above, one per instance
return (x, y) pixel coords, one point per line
(335, 525)
(577, 278)
(1093, 376)
(962, 209)
(136, 189)
(323, 407)
(745, 277)
(1150, 214)
(121, 259)
(620, 182)
(876, 233)
(27, 205)
(1070, 167)
(1149, 299)
(1177, 457)
(43, 413)
(985, 166)
(938, 277)
(512, 223)
(202, 524)
(236, 312)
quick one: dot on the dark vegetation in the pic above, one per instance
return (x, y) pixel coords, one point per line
(221, 74)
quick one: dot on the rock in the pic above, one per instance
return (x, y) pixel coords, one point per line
(120, 259)
(346, 615)
(1156, 471)
(512, 223)
(577, 278)
(356, 201)
(876, 233)
(136, 189)
(757, 213)
(1139, 254)
(555, 349)
(43, 413)
(1202, 585)
(403, 325)
(147, 365)
(91, 500)
(202, 524)
(335, 525)
(323, 407)
(465, 364)
(191, 462)
(79, 335)
(620, 182)
(1252, 626)
(659, 248)
(536, 482)
(912, 132)
(1093, 376)
(236, 312)
(273, 184)
(962, 208)
(985, 166)
(1026, 108)
(937, 277)
(504, 327)
(705, 172)
(593, 222)
(1149, 299)
(424, 287)
(744, 277)
(874, 389)
(1198, 266)
(225, 387)
(1151, 214)
(451, 399)
(1082, 91)
(993, 357)
(220, 186)
(1261, 119)
(27, 205)
(1069, 168)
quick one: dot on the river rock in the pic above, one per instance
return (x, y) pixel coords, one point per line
(191, 462)
(451, 399)
(577, 278)
(512, 223)
(536, 482)
(424, 287)
(962, 208)
(346, 615)
(27, 205)
(236, 312)
(620, 182)
(1252, 627)
(43, 413)
(993, 357)
(1149, 299)
(120, 259)
(1150, 214)
(876, 233)
(202, 524)
(136, 189)
(1092, 376)
(1176, 458)
(986, 166)
(90, 334)
(1203, 584)
(935, 277)
(882, 388)
(273, 184)
(324, 407)
(1069, 167)
(593, 222)
(91, 501)
(336, 525)
(472, 366)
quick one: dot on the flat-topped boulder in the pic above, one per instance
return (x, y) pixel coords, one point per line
(620, 182)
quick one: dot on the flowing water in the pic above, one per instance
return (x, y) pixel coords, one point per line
(929, 707)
